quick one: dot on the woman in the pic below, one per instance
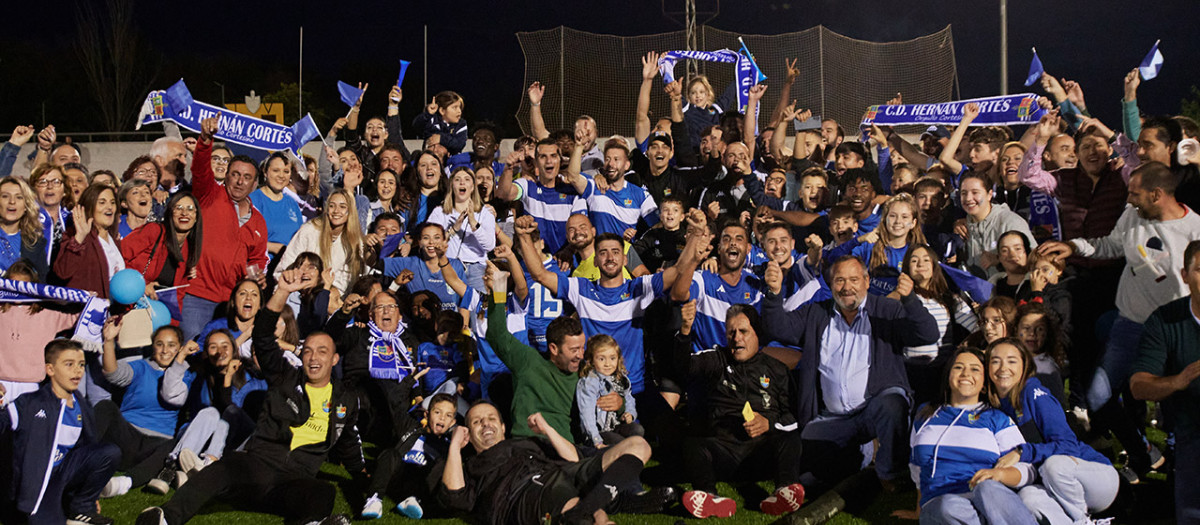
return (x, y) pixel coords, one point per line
(243, 305)
(281, 212)
(137, 200)
(90, 253)
(1009, 190)
(1013, 251)
(444, 117)
(1076, 481)
(221, 157)
(337, 237)
(387, 185)
(313, 306)
(883, 250)
(929, 282)
(425, 186)
(23, 236)
(470, 226)
(986, 222)
(50, 187)
(955, 445)
(144, 168)
(1038, 329)
(506, 211)
(166, 253)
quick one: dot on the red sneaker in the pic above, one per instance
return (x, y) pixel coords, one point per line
(703, 505)
(786, 499)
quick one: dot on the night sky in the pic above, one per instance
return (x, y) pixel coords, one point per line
(473, 48)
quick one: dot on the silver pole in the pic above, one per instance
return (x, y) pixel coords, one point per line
(425, 65)
(1003, 47)
(300, 90)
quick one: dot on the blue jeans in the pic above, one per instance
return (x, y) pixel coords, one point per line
(991, 502)
(196, 313)
(1117, 364)
(474, 276)
(884, 417)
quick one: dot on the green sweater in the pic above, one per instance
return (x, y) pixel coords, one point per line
(1170, 341)
(538, 385)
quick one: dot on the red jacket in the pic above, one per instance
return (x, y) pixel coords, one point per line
(83, 266)
(228, 247)
(145, 250)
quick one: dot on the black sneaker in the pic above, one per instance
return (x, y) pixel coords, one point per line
(151, 516)
(90, 518)
(336, 519)
(652, 501)
(161, 484)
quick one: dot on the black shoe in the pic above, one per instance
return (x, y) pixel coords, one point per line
(336, 519)
(816, 512)
(151, 516)
(90, 518)
(652, 501)
(161, 484)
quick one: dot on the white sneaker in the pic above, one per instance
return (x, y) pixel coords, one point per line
(189, 461)
(116, 486)
(1081, 415)
(411, 507)
(181, 477)
(373, 508)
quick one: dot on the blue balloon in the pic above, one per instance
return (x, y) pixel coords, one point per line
(127, 286)
(160, 316)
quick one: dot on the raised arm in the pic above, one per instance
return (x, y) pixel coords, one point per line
(698, 240)
(641, 124)
(574, 167)
(947, 157)
(116, 372)
(8, 154)
(523, 227)
(1131, 120)
(537, 125)
(352, 117)
(777, 115)
(1031, 172)
(452, 474)
(506, 189)
(750, 119)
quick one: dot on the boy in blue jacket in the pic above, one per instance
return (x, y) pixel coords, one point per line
(59, 463)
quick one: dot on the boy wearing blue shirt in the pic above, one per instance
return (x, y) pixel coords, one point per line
(58, 460)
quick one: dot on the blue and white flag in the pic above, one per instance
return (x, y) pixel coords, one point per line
(748, 73)
(178, 97)
(13, 291)
(1152, 64)
(975, 289)
(1003, 110)
(349, 94)
(234, 128)
(303, 131)
(1035, 70)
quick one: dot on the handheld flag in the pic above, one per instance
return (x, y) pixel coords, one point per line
(303, 131)
(403, 69)
(759, 76)
(1035, 70)
(178, 98)
(976, 289)
(350, 94)
(1152, 64)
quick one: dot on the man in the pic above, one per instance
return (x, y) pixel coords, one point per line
(610, 305)
(621, 207)
(653, 169)
(734, 190)
(714, 292)
(1152, 235)
(852, 383)
(1165, 371)
(750, 428)
(308, 418)
(540, 385)
(166, 149)
(538, 481)
(235, 233)
(585, 129)
(548, 199)
(832, 136)
(860, 189)
(581, 249)
(484, 145)
(799, 281)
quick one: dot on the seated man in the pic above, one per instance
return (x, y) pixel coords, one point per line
(523, 480)
(852, 384)
(749, 418)
(308, 418)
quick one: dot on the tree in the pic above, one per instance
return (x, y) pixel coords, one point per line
(118, 67)
(1190, 107)
(288, 95)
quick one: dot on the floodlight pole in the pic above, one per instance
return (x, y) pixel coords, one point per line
(1003, 47)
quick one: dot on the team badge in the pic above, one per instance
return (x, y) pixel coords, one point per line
(973, 417)
(764, 381)
(383, 351)
(327, 407)
(341, 411)
(628, 202)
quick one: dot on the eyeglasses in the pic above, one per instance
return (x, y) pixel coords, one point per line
(185, 208)
(220, 160)
(49, 183)
(143, 171)
(386, 307)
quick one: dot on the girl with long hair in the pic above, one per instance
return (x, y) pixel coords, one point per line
(883, 250)
(470, 227)
(90, 253)
(23, 235)
(336, 236)
(166, 253)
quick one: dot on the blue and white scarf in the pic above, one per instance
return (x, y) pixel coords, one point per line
(748, 73)
(1005, 110)
(390, 358)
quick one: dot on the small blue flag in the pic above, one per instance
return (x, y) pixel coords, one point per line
(403, 69)
(390, 243)
(1035, 70)
(1152, 64)
(350, 94)
(178, 98)
(976, 289)
(303, 131)
(170, 298)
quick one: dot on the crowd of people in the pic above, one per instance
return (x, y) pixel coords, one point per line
(514, 337)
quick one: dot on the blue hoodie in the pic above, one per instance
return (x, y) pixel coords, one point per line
(1044, 425)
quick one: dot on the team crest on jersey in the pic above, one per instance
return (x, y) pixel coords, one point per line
(667, 192)
(625, 296)
(628, 202)
(973, 417)
(747, 296)
(327, 407)
(764, 381)
(341, 411)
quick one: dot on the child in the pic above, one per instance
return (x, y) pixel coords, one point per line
(659, 247)
(1038, 328)
(58, 459)
(702, 109)
(443, 117)
(446, 357)
(414, 466)
(603, 373)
